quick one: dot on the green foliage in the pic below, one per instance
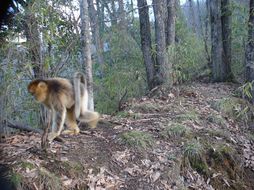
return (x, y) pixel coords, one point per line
(174, 130)
(124, 71)
(49, 180)
(193, 153)
(191, 115)
(246, 90)
(217, 119)
(27, 165)
(188, 62)
(238, 108)
(137, 139)
(16, 179)
(239, 37)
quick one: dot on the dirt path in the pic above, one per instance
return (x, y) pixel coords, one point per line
(183, 139)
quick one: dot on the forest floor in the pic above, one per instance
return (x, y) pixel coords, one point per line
(197, 136)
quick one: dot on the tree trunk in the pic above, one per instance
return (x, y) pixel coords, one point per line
(163, 67)
(122, 16)
(114, 13)
(204, 32)
(146, 45)
(100, 10)
(218, 68)
(249, 54)
(221, 40)
(86, 52)
(170, 22)
(193, 17)
(226, 37)
(96, 34)
(33, 39)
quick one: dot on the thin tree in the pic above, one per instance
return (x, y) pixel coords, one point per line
(122, 15)
(163, 67)
(85, 50)
(226, 37)
(193, 17)
(170, 22)
(146, 44)
(96, 34)
(204, 31)
(249, 54)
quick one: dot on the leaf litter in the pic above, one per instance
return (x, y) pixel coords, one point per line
(96, 159)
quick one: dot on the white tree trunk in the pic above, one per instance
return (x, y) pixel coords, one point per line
(86, 52)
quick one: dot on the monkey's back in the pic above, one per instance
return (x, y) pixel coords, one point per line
(61, 92)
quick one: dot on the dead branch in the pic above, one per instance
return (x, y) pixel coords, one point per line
(29, 129)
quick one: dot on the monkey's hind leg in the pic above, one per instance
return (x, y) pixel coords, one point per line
(71, 123)
(52, 135)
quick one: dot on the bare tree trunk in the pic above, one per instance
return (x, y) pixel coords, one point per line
(249, 54)
(96, 34)
(218, 68)
(226, 37)
(170, 22)
(132, 12)
(193, 17)
(114, 13)
(100, 10)
(86, 52)
(163, 67)
(122, 16)
(204, 32)
(33, 40)
(146, 44)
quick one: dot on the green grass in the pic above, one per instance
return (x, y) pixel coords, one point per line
(193, 154)
(49, 180)
(137, 139)
(174, 130)
(217, 119)
(27, 165)
(16, 179)
(192, 115)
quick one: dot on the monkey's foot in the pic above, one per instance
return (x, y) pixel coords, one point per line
(71, 131)
(52, 136)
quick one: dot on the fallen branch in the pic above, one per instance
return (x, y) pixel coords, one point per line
(23, 127)
(29, 129)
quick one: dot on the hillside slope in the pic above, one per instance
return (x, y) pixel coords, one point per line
(194, 137)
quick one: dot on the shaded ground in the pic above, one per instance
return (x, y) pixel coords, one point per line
(194, 137)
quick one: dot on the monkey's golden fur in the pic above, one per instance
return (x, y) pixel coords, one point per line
(67, 98)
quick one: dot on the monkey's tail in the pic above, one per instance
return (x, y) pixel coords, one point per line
(77, 80)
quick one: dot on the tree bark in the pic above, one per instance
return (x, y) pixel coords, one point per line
(204, 31)
(86, 52)
(100, 10)
(218, 68)
(249, 54)
(226, 37)
(146, 44)
(33, 40)
(170, 22)
(96, 34)
(193, 17)
(122, 15)
(163, 67)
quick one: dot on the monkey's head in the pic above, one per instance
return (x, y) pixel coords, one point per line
(39, 89)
